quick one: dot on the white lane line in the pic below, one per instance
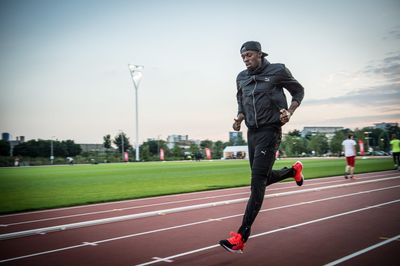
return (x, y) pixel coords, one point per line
(277, 230)
(241, 214)
(175, 210)
(161, 204)
(90, 243)
(43, 253)
(358, 253)
(207, 221)
(386, 238)
(118, 202)
(310, 182)
(161, 259)
(122, 209)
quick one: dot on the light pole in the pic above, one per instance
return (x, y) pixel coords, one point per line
(122, 145)
(367, 138)
(51, 150)
(136, 74)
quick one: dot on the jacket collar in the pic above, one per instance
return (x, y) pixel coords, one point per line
(260, 69)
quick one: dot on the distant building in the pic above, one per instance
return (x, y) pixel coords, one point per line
(21, 139)
(385, 125)
(182, 141)
(92, 147)
(235, 137)
(236, 152)
(5, 136)
(329, 132)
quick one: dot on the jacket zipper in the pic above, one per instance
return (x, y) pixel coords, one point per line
(254, 102)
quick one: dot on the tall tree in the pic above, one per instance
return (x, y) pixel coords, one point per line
(107, 141)
(206, 144)
(336, 142)
(295, 133)
(319, 144)
(4, 148)
(218, 149)
(122, 139)
(294, 145)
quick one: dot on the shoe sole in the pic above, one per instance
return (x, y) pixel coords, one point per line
(231, 250)
(300, 183)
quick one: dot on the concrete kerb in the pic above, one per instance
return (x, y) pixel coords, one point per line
(172, 210)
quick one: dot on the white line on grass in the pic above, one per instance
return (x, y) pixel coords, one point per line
(273, 231)
(197, 223)
(173, 210)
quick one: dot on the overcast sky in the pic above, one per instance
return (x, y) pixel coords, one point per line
(64, 64)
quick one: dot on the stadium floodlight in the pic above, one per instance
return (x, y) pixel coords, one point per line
(51, 150)
(136, 74)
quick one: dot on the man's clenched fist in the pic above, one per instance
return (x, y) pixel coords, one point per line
(285, 116)
(238, 121)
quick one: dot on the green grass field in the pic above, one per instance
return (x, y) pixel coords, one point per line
(33, 188)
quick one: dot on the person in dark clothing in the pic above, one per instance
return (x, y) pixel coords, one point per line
(262, 105)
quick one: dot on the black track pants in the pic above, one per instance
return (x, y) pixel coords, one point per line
(396, 158)
(263, 144)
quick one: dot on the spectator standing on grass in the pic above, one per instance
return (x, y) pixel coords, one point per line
(262, 105)
(395, 147)
(349, 149)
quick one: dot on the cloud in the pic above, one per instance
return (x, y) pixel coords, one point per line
(393, 34)
(389, 68)
(362, 120)
(384, 95)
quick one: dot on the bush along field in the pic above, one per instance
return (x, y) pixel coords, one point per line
(42, 187)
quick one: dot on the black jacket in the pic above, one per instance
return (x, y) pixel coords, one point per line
(260, 94)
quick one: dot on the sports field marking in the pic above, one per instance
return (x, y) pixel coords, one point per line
(164, 260)
(358, 253)
(308, 184)
(154, 205)
(44, 253)
(174, 210)
(241, 214)
(274, 231)
(196, 223)
(318, 180)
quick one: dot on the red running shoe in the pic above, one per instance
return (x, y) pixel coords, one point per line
(298, 176)
(233, 244)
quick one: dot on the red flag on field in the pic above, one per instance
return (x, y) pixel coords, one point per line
(161, 154)
(126, 156)
(361, 144)
(208, 154)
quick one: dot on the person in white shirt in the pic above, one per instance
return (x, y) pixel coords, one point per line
(349, 149)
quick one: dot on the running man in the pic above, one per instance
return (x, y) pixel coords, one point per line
(262, 105)
(349, 149)
(395, 147)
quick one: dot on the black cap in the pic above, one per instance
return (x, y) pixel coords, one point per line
(252, 46)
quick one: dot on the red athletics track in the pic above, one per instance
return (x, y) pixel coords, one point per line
(326, 221)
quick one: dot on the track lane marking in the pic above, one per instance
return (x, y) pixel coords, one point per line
(154, 205)
(175, 210)
(196, 223)
(275, 231)
(362, 251)
(313, 182)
